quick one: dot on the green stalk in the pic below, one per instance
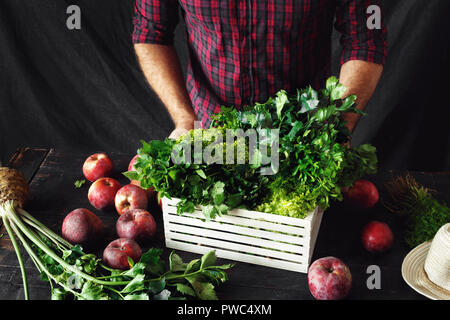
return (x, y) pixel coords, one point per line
(19, 256)
(43, 233)
(116, 291)
(106, 267)
(40, 266)
(27, 247)
(45, 229)
(178, 276)
(57, 258)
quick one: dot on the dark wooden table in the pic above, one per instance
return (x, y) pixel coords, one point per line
(52, 174)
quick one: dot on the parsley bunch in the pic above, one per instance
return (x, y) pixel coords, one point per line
(314, 163)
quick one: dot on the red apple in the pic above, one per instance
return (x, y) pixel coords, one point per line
(117, 252)
(97, 166)
(81, 226)
(329, 279)
(130, 197)
(132, 163)
(150, 191)
(363, 194)
(377, 237)
(136, 224)
(103, 192)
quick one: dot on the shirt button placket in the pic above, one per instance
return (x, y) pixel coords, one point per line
(245, 51)
(250, 51)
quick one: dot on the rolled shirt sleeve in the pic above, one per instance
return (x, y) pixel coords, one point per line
(358, 41)
(155, 21)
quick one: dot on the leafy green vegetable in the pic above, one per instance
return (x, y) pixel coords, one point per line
(79, 183)
(423, 214)
(146, 280)
(314, 163)
(73, 274)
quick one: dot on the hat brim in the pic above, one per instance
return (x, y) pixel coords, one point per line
(415, 276)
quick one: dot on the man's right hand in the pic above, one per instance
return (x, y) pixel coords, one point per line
(181, 128)
(178, 132)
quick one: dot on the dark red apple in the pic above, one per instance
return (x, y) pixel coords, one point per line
(81, 226)
(103, 192)
(117, 252)
(136, 224)
(377, 237)
(97, 166)
(329, 279)
(130, 197)
(150, 192)
(363, 194)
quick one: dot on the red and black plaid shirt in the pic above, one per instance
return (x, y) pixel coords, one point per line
(243, 51)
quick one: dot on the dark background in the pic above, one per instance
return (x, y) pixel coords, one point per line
(83, 89)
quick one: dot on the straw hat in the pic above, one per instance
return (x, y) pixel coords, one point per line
(427, 267)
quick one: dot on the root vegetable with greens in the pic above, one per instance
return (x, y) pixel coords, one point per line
(423, 214)
(73, 274)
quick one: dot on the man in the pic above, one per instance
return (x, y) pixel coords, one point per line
(244, 51)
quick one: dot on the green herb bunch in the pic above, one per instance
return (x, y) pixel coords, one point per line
(423, 214)
(314, 161)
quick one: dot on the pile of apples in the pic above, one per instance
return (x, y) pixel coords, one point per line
(135, 225)
(329, 278)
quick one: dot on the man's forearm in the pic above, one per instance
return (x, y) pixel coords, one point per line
(161, 67)
(360, 78)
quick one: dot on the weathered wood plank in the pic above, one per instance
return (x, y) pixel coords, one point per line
(28, 161)
(246, 284)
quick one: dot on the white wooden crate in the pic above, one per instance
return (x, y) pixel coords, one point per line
(246, 236)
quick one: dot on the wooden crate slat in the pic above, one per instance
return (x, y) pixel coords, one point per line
(237, 238)
(242, 257)
(193, 221)
(227, 245)
(258, 215)
(237, 220)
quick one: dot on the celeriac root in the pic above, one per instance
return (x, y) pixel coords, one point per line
(13, 186)
(14, 192)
